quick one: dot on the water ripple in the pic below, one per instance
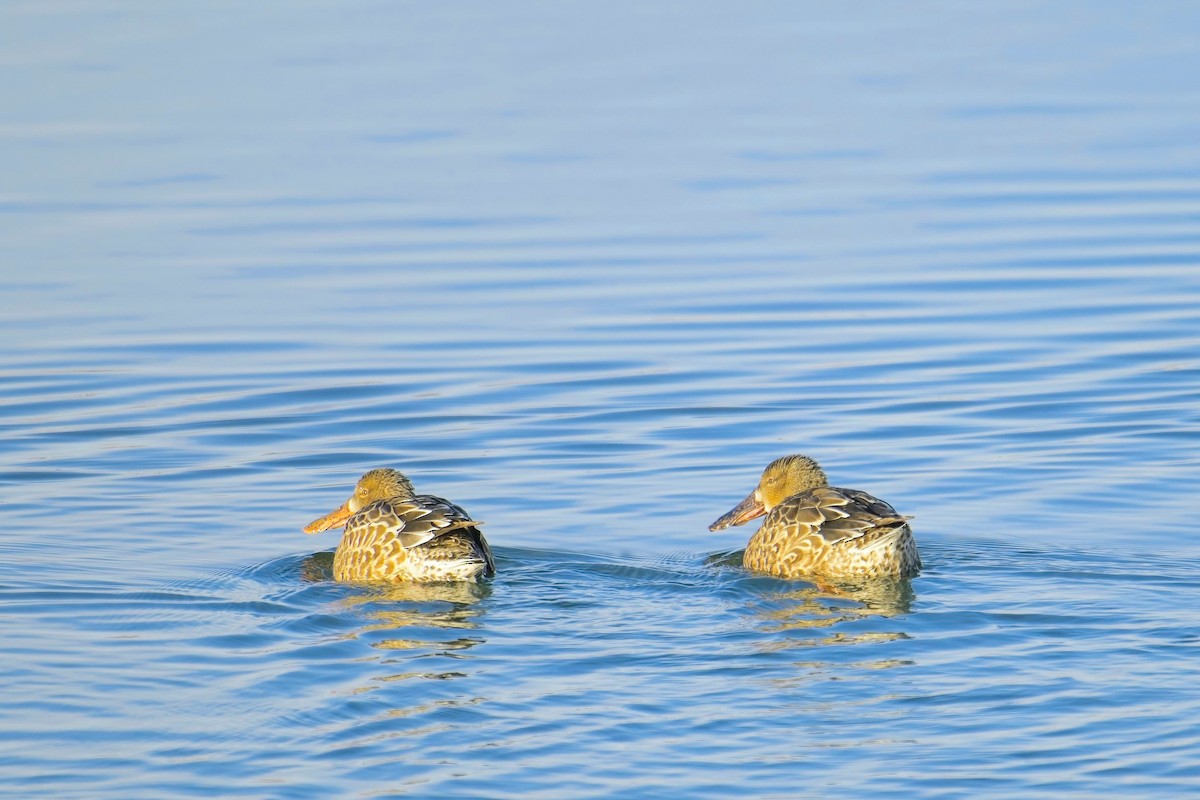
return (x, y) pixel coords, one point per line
(586, 283)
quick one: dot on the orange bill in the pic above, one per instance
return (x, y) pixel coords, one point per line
(334, 519)
(743, 512)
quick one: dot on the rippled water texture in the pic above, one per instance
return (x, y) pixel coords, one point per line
(585, 269)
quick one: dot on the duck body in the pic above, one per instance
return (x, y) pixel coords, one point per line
(835, 533)
(394, 535)
(816, 530)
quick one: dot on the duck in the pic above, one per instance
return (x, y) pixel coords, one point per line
(393, 534)
(814, 530)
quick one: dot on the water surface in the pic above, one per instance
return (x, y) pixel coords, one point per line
(585, 270)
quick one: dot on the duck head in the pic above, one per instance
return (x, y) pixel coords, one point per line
(378, 484)
(782, 478)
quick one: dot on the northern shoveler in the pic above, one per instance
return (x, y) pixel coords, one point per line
(393, 534)
(814, 529)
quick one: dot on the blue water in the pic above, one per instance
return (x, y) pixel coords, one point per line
(585, 269)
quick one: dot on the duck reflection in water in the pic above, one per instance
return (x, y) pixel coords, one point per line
(412, 608)
(803, 622)
(814, 613)
(827, 606)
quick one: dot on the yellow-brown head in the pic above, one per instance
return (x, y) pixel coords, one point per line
(782, 478)
(378, 484)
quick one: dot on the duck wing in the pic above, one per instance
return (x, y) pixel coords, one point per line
(412, 521)
(835, 515)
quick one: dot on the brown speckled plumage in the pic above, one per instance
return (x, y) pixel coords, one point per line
(393, 535)
(816, 530)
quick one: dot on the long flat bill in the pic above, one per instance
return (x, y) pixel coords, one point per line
(740, 514)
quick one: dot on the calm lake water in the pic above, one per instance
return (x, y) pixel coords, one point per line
(585, 269)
